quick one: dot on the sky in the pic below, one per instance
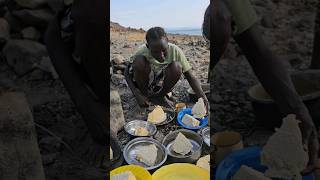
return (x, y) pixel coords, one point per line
(165, 13)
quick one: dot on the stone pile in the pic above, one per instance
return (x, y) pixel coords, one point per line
(22, 27)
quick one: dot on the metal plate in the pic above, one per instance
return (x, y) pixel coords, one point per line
(130, 151)
(132, 126)
(195, 148)
(205, 133)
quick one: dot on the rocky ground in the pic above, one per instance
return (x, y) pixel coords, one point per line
(287, 26)
(195, 49)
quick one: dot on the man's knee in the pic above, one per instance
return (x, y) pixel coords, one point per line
(175, 67)
(140, 64)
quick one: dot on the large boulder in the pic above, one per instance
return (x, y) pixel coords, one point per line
(30, 33)
(31, 4)
(56, 5)
(19, 153)
(34, 17)
(22, 55)
(4, 31)
(16, 25)
(116, 113)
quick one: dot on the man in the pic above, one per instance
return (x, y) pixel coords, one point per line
(156, 68)
(238, 19)
(76, 42)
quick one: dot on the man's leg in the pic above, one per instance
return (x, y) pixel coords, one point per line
(141, 70)
(172, 75)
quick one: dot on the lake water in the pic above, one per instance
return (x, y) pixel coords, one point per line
(185, 31)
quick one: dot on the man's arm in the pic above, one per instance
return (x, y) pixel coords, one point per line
(276, 80)
(196, 86)
(94, 112)
(142, 100)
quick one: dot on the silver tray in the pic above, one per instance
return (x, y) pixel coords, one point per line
(132, 126)
(129, 152)
(195, 140)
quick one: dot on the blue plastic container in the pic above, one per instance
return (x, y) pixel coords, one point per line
(203, 121)
(248, 156)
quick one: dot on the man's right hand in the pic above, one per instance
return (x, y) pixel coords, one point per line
(311, 143)
(142, 100)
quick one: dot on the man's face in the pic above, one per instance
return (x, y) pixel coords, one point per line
(159, 49)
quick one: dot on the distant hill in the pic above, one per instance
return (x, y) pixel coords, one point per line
(116, 27)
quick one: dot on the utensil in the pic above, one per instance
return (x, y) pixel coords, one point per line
(130, 151)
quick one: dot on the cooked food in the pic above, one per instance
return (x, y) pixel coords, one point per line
(284, 154)
(157, 115)
(246, 172)
(182, 145)
(147, 154)
(204, 162)
(199, 109)
(127, 175)
(141, 131)
(190, 121)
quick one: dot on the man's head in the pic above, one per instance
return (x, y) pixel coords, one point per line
(157, 42)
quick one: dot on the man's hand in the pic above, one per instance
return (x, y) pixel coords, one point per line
(142, 100)
(207, 104)
(310, 141)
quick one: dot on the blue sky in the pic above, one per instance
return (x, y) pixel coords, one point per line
(165, 13)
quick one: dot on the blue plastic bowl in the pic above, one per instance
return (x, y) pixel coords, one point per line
(248, 156)
(203, 121)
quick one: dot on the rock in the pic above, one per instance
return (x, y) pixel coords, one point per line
(30, 33)
(46, 65)
(116, 113)
(126, 46)
(15, 24)
(18, 139)
(119, 72)
(49, 158)
(117, 79)
(118, 59)
(36, 17)
(50, 143)
(68, 2)
(216, 98)
(159, 136)
(21, 55)
(56, 5)
(4, 31)
(119, 67)
(31, 4)
(291, 60)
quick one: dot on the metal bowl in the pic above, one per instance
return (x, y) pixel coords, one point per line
(129, 152)
(195, 140)
(132, 126)
(205, 133)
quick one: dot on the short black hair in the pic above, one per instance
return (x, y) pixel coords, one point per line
(155, 33)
